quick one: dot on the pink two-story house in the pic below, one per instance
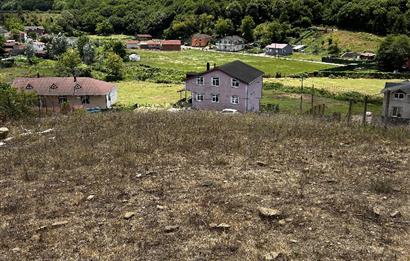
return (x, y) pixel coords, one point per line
(235, 85)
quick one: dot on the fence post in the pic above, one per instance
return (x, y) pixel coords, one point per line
(365, 110)
(349, 113)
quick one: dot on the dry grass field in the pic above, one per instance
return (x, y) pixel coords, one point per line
(152, 186)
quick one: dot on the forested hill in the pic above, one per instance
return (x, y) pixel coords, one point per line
(180, 18)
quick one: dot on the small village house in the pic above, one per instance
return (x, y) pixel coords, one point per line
(200, 40)
(279, 49)
(132, 44)
(396, 103)
(231, 44)
(369, 56)
(134, 57)
(235, 85)
(143, 37)
(150, 45)
(77, 92)
(37, 30)
(13, 48)
(171, 45)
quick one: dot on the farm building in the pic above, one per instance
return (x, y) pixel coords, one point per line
(132, 44)
(396, 103)
(200, 40)
(231, 44)
(171, 45)
(370, 56)
(150, 45)
(235, 86)
(81, 92)
(278, 49)
(143, 37)
(351, 55)
(38, 30)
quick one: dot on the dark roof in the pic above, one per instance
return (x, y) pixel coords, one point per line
(398, 86)
(236, 69)
(51, 86)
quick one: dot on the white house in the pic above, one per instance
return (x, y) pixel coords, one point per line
(134, 57)
(230, 44)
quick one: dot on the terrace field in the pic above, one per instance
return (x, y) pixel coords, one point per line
(189, 186)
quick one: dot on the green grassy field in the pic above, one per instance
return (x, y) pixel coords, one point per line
(147, 93)
(195, 60)
(346, 40)
(164, 95)
(44, 68)
(337, 85)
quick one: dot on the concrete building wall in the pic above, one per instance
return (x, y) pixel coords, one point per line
(249, 95)
(390, 102)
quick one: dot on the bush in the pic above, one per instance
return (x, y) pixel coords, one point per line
(15, 104)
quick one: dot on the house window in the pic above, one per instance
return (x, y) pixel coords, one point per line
(85, 99)
(215, 81)
(29, 87)
(200, 80)
(235, 100)
(215, 98)
(77, 87)
(397, 112)
(199, 97)
(235, 83)
(53, 86)
(62, 99)
(399, 96)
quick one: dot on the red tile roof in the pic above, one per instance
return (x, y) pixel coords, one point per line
(133, 42)
(171, 42)
(55, 86)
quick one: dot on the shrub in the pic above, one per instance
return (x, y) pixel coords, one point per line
(15, 104)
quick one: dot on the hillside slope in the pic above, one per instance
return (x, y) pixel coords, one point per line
(148, 186)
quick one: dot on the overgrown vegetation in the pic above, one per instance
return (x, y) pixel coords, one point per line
(14, 104)
(167, 170)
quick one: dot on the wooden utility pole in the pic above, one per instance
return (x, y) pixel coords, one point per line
(313, 96)
(365, 110)
(301, 95)
(349, 113)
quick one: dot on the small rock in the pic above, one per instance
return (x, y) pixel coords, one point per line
(46, 131)
(3, 133)
(161, 207)
(138, 175)
(16, 249)
(282, 222)
(9, 139)
(294, 241)
(395, 214)
(42, 228)
(90, 197)
(222, 226)
(129, 215)
(59, 223)
(377, 211)
(35, 238)
(277, 170)
(2, 144)
(261, 164)
(274, 256)
(169, 229)
(269, 212)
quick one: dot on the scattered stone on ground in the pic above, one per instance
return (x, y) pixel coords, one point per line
(3, 133)
(169, 229)
(282, 222)
(129, 215)
(269, 212)
(2, 144)
(395, 214)
(274, 256)
(90, 197)
(16, 249)
(221, 226)
(377, 211)
(59, 223)
(161, 207)
(46, 131)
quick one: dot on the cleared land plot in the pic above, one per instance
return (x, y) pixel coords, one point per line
(195, 60)
(336, 189)
(146, 93)
(338, 85)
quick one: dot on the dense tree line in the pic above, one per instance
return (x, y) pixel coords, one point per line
(181, 18)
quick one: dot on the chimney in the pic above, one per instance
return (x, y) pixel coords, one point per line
(38, 75)
(214, 65)
(208, 66)
(75, 78)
